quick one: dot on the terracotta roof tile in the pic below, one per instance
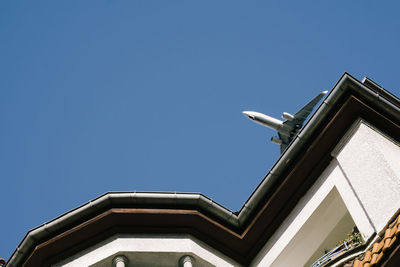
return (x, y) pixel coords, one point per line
(377, 247)
(374, 257)
(379, 257)
(368, 256)
(382, 246)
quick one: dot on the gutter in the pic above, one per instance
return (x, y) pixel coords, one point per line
(376, 95)
(118, 198)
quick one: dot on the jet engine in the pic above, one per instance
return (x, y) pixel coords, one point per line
(276, 140)
(287, 116)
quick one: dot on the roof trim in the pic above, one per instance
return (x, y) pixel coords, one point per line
(375, 93)
(241, 227)
(122, 198)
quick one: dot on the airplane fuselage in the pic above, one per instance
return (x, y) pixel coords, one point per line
(288, 129)
(268, 121)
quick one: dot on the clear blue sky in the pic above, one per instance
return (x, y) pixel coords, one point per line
(99, 96)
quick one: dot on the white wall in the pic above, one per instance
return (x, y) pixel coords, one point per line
(365, 172)
(362, 180)
(156, 250)
(313, 233)
(371, 162)
(308, 225)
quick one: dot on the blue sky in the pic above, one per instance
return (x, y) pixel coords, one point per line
(99, 96)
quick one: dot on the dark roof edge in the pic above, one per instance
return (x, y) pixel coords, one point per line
(377, 95)
(119, 199)
(381, 98)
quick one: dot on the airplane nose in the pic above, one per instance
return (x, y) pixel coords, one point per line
(249, 114)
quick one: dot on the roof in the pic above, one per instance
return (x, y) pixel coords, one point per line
(382, 251)
(238, 235)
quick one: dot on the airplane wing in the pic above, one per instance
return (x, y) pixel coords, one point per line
(293, 126)
(303, 113)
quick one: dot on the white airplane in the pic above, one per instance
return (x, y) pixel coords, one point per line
(288, 129)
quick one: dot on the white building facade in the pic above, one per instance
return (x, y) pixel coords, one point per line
(340, 176)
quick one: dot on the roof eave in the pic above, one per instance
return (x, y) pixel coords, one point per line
(347, 84)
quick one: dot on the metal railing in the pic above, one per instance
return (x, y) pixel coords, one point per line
(330, 255)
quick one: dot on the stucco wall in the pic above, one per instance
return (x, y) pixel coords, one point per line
(371, 162)
(156, 250)
(311, 221)
(365, 171)
(362, 180)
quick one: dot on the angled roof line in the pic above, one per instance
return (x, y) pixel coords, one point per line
(379, 96)
(371, 90)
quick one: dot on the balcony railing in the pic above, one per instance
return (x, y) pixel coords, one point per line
(332, 254)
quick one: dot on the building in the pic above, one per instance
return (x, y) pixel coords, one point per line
(337, 184)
